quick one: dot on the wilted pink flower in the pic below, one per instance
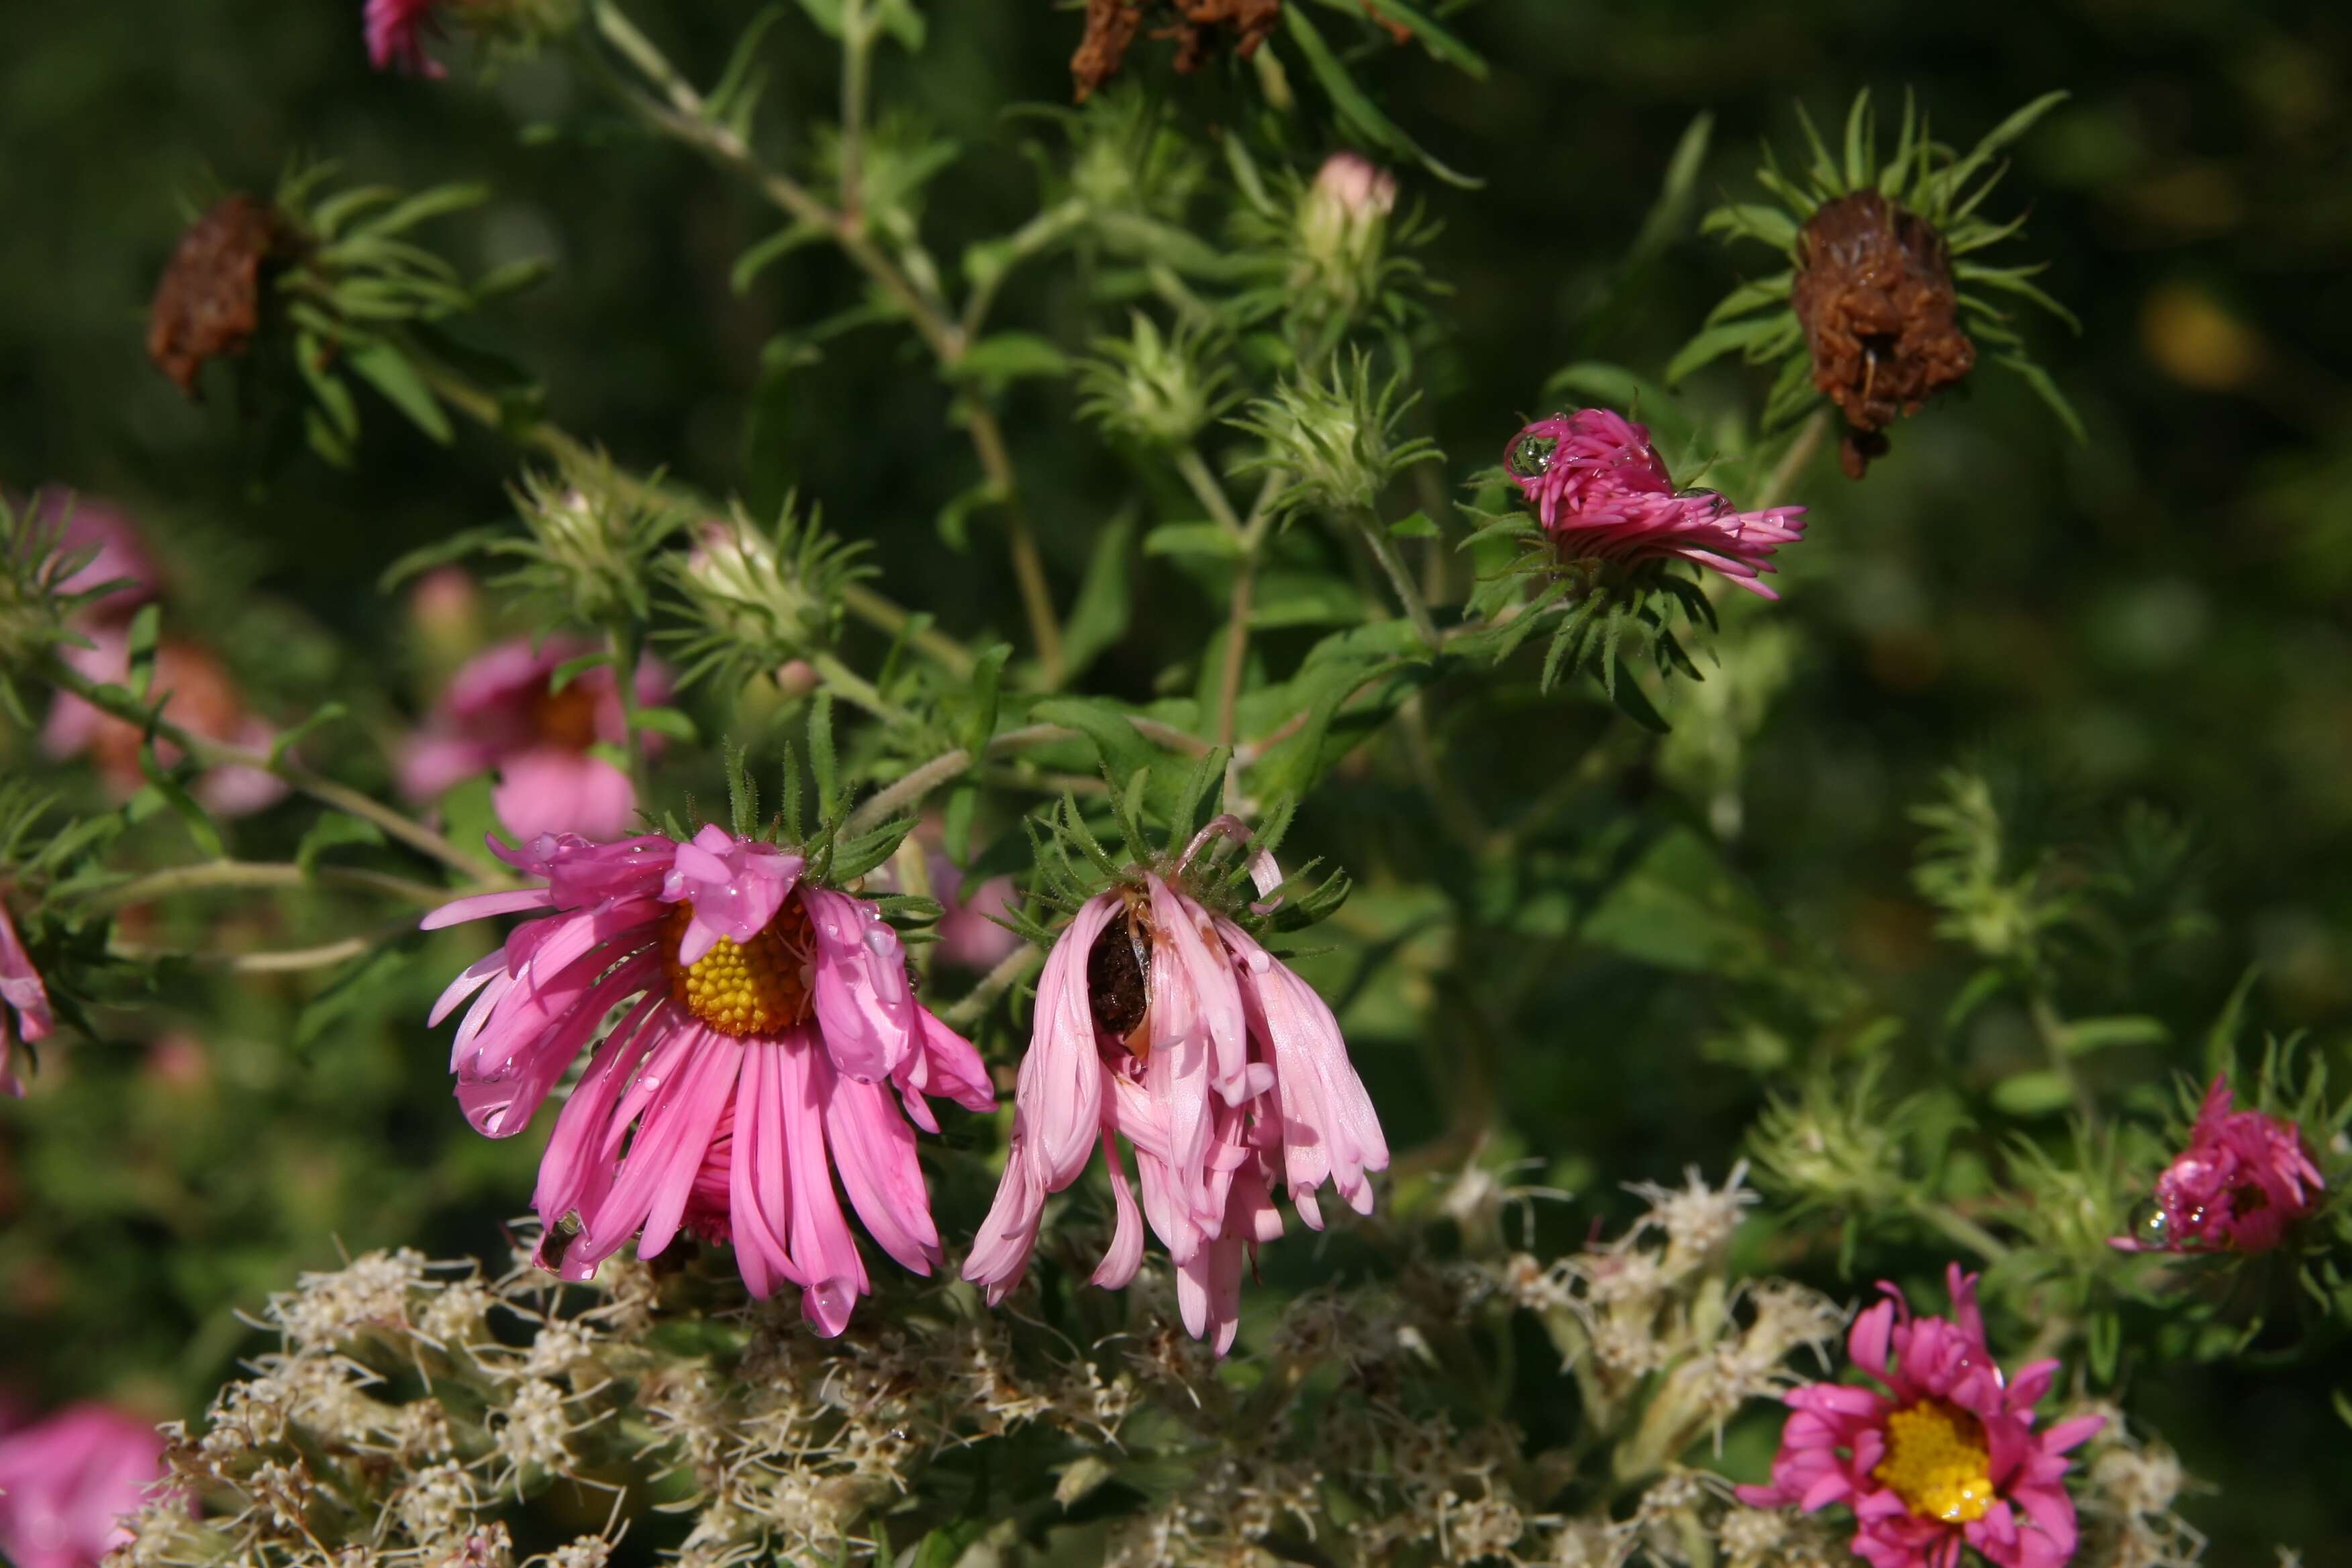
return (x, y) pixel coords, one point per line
(501, 712)
(1166, 1024)
(1603, 493)
(24, 1013)
(2243, 1180)
(67, 1480)
(1946, 1456)
(396, 31)
(768, 1022)
(199, 695)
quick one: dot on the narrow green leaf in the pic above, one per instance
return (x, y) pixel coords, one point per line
(2088, 1034)
(2037, 1093)
(1099, 616)
(1355, 108)
(389, 371)
(330, 830)
(670, 723)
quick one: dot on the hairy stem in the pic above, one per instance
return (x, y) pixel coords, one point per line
(210, 875)
(1400, 577)
(1957, 1226)
(118, 702)
(679, 113)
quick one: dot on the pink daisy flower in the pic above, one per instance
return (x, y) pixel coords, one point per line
(396, 31)
(67, 1480)
(1166, 1024)
(199, 695)
(768, 1024)
(2244, 1181)
(1603, 493)
(501, 713)
(24, 1013)
(1946, 1457)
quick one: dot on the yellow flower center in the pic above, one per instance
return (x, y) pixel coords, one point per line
(757, 987)
(1937, 1463)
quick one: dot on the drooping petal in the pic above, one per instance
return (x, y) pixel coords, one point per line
(864, 1008)
(1330, 1131)
(1059, 1090)
(1125, 1255)
(1182, 943)
(822, 1247)
(1001, 1248)
(874, 1150)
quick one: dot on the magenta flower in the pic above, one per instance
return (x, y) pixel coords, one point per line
(67, 1480)
(1603, 493)
(768, 1022)
(396, 31)
(1166, 1024)
(2244, 1181)
(501, 713)
(1947, 1455)
(969, 937)
(24, 1013)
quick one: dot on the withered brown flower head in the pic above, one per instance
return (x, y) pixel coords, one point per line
(1200, 28)
(208, 302)
(1874, 292)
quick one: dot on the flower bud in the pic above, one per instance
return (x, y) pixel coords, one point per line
(1152, 388)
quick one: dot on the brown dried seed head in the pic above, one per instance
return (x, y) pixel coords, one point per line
(1873, 291)
(208, 302)
(1119, 977)
(1200, 27)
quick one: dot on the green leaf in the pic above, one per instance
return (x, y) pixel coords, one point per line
(1714, 342)
(2038, 1093)
(2047, 390)
(1751, 296)
(1664, 224)
(365, 984)
(329, 831)
(318, 718)
(1007, 356)
(1632, 701)
(1099, 616)
(423, 206)
(2015, 281)
(1305, 599)
(669, 721)
(955, 518)
(2088, 1035)
(1441, 44)
(1357, 109)
(774, 248)
(146, 630)
(1193, 539)
(389, 371)
(1861, 143)
(1749, 220)
(191, 815)
(1417, 526)
(825, 13)
(824, 764)
(513, 278)
(1124, 753)
(979, 720)
(1947, 185)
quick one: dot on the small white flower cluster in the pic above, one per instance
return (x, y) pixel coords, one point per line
(2126, 1507)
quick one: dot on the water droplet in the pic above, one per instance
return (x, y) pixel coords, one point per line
(1530, 456)
(493, 1122)
(2151, 1226)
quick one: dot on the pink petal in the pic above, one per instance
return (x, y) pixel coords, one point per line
(874, 1151)
(864, 1008)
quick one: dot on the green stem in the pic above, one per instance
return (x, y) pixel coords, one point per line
(682, 116)
(1792, 462)
(622, 639)
(1959, 1227)
(277, 960)
(847, 683)
(1408, 593)
(118, 702)
(1015, 967)
(209, 875)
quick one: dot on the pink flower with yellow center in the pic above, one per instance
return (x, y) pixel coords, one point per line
(771, 1045)
(67, 1480)
(2246, 1179)
(1165, 1024)
(1603, 493)
(396, 31)
(502, 713)
(24, 1015)
(1946, 1457)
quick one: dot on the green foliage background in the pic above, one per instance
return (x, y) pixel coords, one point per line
(2158, 614)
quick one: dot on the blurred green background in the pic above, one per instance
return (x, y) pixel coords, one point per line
(2157, 614)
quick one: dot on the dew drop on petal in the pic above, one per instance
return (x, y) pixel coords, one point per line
(1530, 456)
(2150, 1225)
